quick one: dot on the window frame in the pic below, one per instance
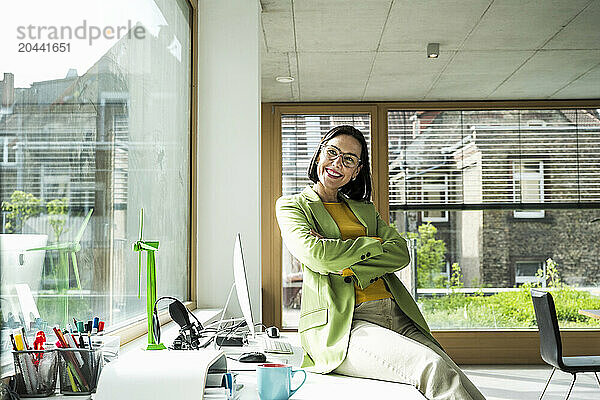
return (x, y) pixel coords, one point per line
(137, 326)
(528, 278)
(434, 187)
(4, 160)
(518, 178)
(488, 346)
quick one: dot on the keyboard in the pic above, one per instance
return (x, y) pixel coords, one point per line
(276, 346)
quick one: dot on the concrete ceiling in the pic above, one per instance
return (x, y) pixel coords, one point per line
(374, 50)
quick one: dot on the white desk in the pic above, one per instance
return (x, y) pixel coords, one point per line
(316, 387)
(333, 386)
(319, 386)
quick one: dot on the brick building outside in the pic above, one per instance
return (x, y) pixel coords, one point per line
(492, 162)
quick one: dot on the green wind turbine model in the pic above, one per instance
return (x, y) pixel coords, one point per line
(65, 249)
(149, 247)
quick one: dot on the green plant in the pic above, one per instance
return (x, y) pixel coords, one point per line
(431, 256)
(512, 309)
(552, 274)
(547, 276)
(20, 207)
(57, 211)
(456, 277)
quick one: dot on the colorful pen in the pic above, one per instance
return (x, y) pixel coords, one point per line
(14, 344)
(25, 343)
(19, 342)
(38, 344)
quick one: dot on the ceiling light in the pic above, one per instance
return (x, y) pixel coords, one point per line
(433, 50)
(285, 79)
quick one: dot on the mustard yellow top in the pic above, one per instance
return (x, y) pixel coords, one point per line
(351, 228)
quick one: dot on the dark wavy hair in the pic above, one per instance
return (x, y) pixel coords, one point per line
(360, 188)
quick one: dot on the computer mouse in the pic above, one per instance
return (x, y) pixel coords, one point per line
(253, 357)
(272, 332)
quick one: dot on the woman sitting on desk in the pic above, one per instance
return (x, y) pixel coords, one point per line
(356, 317)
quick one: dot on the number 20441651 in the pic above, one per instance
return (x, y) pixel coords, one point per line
(27, 47)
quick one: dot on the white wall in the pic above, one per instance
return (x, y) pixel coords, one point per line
(228, 148)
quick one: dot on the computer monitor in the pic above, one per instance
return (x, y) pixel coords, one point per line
(241, 283)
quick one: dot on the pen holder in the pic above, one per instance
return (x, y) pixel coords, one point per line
(79, 370)
(35, 372)
(110, 346)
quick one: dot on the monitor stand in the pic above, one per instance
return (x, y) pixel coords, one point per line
(231, 340)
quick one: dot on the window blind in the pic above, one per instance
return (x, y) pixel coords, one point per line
(494, 158)
(55, 155)
(300, 136)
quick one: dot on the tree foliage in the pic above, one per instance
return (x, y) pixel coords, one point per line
(20, 207)
(57, 211)
(431, 257)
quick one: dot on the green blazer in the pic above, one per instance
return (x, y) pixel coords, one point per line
(327, 297)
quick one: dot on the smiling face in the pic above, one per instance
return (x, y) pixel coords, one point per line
(333, 174)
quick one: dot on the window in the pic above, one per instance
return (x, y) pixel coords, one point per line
(495, 175)
(416, 126)
(529, 187)
(109, 136)
(435, 191)
(54, 186)
(466, 267)
(525, 272)
(8, 151)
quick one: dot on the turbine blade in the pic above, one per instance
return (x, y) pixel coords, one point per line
(51, 247)
(141, 222)
(147, 246)
(83, 226)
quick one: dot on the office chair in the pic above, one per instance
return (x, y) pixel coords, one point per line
(551, 345)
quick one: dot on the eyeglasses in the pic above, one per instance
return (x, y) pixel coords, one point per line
(349, 160)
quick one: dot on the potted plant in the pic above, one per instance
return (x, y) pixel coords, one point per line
(19, 266)
(20, 207)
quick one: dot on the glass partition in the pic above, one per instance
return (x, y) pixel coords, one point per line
(494, 203)
(91, 132)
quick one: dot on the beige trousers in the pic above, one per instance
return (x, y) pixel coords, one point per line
(385, 344)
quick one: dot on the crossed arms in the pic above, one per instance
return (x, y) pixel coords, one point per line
(367, 257)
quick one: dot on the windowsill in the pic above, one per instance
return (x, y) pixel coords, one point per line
(169, 331)
(545, 219)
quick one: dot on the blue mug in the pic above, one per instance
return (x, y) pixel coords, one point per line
(274, 381)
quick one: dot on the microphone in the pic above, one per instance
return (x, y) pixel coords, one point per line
(179, 314)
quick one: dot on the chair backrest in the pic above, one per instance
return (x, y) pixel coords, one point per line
(545, 314)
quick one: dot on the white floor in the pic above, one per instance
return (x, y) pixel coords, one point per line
(525, 382)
